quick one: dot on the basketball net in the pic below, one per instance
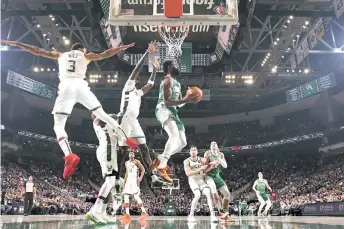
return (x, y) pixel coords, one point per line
(174, 37)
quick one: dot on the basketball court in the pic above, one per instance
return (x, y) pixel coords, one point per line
(79, 222)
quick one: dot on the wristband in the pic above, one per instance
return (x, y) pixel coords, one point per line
(151, 82)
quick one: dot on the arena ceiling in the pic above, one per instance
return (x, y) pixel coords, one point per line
(267, 37)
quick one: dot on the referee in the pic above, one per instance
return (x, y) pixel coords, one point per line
(29, 191)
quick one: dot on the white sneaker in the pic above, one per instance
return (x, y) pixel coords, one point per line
(95, 217)
(109, 219)
(213, 218)
(191, 218)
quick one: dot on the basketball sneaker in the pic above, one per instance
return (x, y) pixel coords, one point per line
(125, 217)
(96, 218)
(143, 216)
(160, 172)
(71, 162)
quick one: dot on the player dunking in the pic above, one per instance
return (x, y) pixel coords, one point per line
(74, 89)
(170, 98)
(194, 169)
(260, 186)
(215, 181)
(130, 108)
(107, 157)
(131, 186)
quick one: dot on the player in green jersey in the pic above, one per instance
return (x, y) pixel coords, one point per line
(260, 186)
(215, 181)
(170, 98)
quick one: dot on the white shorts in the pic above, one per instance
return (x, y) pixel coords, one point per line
(197, 185)
(210, 182)
(107, 166)
(131, 188)
(72, 91)
(132, 128)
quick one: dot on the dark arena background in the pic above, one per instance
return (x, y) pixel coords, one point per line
(273, 100)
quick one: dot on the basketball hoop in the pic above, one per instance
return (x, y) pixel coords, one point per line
(174, 37)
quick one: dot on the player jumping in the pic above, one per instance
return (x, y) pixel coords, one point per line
(170, 98)
(215, 181)
(194, 169)
(130, 108)
(131, 186)
(74, 89)
(260, 186)
(107, 157)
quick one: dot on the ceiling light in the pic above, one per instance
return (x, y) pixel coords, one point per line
(249, 81)
(298, 35)
(300, 71)
(306, 22)
(274, 70)
(277, 39)
(44, 34)
(287, 70)
(48, 39)
(48, 69)
(42, 69)
(284, 26)
(54, 69)
(282, 57)
(291, 17)
(268, 54)
(64, 38)
(53, 19)
(262, 64)
(66, 42)
(38, 25)
(275, 43)
(288, 48)
(288, 21)
(306, 70)
(50, 15)
(35, 69)
(293, 70)
(56, 24)
(303, 26)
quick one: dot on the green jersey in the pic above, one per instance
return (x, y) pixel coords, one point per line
(215, 171)
(176, 91)
(261, 186)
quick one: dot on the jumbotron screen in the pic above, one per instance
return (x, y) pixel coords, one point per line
(311, 88)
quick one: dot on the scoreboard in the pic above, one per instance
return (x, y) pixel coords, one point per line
(184, 61)
(311, 88)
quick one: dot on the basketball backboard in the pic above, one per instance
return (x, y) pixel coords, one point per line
(152, 13)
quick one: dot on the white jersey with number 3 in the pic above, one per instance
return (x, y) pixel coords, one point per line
(72, 64)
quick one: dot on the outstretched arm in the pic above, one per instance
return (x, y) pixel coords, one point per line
(108, 53)
(34, 50)
(145, 89)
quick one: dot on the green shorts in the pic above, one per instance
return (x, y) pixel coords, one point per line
(263, 196)
(162, 113)
(219, 182)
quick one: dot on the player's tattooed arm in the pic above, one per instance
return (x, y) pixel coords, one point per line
(188, 170)
(222, 160)
(34, 50)
(108, 53)
(145, 89)
(142, 170)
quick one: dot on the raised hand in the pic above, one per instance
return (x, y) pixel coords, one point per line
(124, 47)
(153, 46)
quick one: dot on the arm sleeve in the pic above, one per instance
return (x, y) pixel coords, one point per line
(129, 85)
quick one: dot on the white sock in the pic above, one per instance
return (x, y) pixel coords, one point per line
(64, 144)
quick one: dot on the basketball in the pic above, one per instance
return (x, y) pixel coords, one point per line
(197, 92)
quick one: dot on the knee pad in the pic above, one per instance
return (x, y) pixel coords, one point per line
(225, 192)
(59, 125)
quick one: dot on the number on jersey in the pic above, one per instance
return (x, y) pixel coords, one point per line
(71, 66)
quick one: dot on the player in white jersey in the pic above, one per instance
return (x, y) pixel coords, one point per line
(130, 108)
(131, 187)
(74, 89)
(194, 168)
(107, 157)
